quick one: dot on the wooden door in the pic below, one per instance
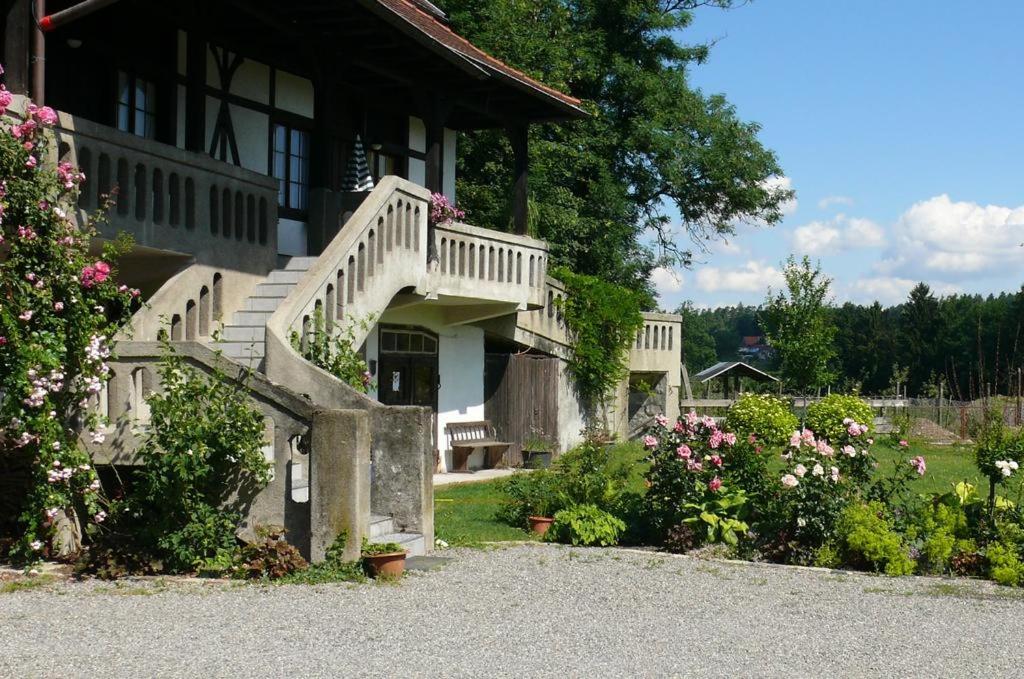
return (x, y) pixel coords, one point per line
(521, 399)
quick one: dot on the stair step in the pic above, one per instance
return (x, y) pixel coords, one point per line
(280, 290)
(285, 276)
(251, 317)
(243, 349)
(263, 303)
(413, 543)
(299, 263)
(245, 333)
(381, 525)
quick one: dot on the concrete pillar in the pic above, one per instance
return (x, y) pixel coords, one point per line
(339, 481)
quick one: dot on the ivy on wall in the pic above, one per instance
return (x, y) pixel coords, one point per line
(602, 319)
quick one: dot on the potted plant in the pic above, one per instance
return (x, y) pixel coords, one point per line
(384, 559)
(537, 453)
(537, 450)
(543, 504)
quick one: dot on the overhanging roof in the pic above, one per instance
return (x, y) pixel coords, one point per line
(726, 368)
(424, 23)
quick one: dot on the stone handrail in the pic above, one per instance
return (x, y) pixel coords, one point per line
(172, 199)
(481, 263)
(381, 250)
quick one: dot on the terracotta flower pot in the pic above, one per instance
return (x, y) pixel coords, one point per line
(387, 565)
(540, 524)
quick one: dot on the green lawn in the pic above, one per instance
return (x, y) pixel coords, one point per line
(464, 515)
(947, 465)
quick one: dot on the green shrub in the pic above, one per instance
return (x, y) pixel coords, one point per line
(764, 416)
(1004, 566)
(200, 461)
(826, 417)
(867, 540)
(597, 474)
(935, 529)
(585, 525)
(526, 494)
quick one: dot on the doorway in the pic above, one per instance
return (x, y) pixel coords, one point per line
(407, 374)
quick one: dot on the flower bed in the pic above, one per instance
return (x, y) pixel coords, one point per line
(813, 501)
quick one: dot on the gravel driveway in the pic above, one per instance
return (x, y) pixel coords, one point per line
(532, 610)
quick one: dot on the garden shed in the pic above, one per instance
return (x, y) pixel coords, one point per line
(731, 372)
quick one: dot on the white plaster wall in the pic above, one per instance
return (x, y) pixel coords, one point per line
(571, 417)
(252, 81)
(293, 94)
(291, 237)
(417, 142)
(252, 133)
(461, 396)
(448, 187)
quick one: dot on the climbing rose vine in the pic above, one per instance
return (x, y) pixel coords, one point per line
(60, 306)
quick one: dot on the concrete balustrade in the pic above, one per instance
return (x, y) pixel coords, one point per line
(170, 199)
(490, 265)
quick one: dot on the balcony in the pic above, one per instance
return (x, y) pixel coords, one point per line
(172, 200)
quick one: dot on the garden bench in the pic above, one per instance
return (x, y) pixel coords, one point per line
(465, 437)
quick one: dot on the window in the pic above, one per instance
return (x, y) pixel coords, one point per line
(407, 342)
(290, 166)
(136, 105)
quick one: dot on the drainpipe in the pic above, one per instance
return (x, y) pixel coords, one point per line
(38, 53)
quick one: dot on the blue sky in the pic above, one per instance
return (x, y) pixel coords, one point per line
(899, 123)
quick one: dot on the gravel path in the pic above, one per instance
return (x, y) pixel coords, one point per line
(525, 611)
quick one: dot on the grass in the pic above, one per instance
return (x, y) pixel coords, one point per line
(25, 585)
(947, 465)
(464, 515)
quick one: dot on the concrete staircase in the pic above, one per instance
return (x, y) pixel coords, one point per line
(244, 339)
(382, 529)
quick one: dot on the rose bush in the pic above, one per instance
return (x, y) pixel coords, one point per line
(60, 307)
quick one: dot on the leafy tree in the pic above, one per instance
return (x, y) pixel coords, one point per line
(918, 332)
(799, 325)
(698, 344)
(599, 185)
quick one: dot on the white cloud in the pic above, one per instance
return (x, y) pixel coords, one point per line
(962, 239)
(783, 182)
(839, 233)
(891, 290)
(829, 201)
(751, 277)
(666, 281)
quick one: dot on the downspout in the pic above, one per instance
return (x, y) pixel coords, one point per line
(38, 58)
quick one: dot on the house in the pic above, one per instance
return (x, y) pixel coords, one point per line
(225, 130)
(755, 347)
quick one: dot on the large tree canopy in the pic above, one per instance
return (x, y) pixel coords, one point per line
(602, 189)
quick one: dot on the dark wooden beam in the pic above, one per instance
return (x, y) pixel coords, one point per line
(17, 34)
(195, 93)
(519, 136)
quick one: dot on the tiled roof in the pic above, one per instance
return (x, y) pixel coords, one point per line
(409, 14)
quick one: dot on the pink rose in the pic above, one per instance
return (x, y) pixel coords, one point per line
(716, 460)
(684, 451)
(714, 484)
(650, 441)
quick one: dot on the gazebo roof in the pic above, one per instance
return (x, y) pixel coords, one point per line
(726, 368)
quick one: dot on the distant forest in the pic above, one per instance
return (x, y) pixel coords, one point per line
(971, 343)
